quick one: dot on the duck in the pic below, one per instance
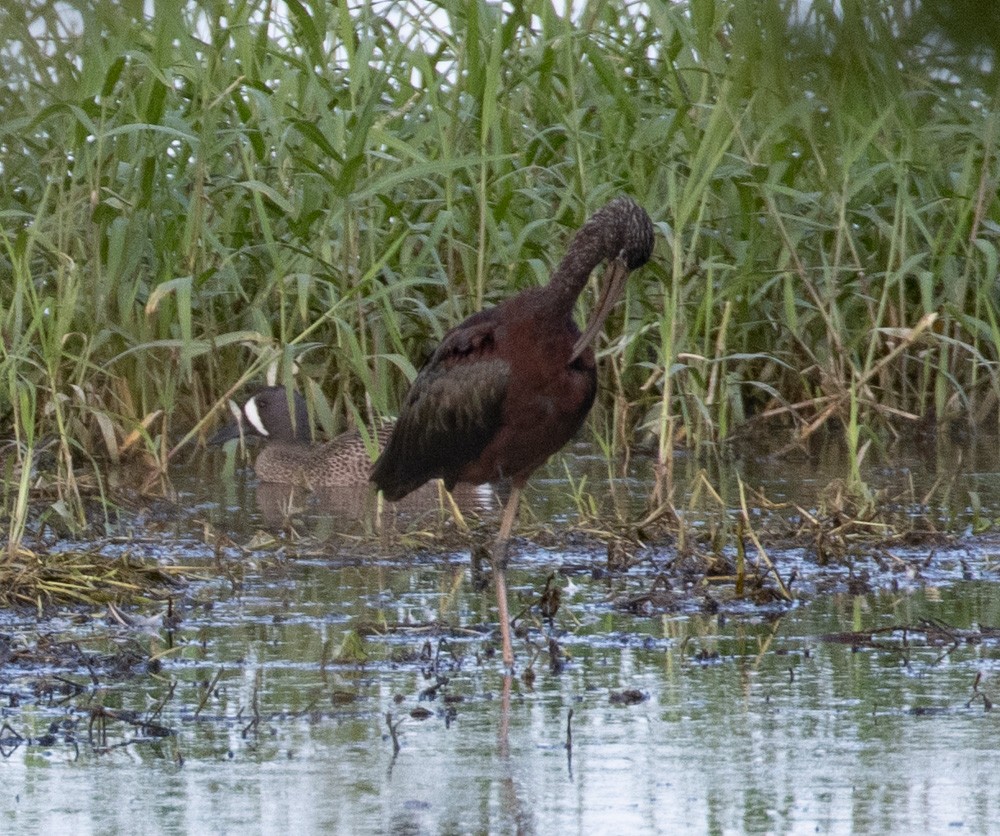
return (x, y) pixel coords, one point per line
(290, 457)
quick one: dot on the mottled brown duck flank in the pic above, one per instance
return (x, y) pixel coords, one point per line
(289, 457)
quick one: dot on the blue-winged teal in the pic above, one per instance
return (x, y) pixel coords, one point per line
(289, 456)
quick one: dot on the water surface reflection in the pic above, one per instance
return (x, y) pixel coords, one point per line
(278, 682)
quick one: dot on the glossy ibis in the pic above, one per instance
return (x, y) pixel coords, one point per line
(510, 385)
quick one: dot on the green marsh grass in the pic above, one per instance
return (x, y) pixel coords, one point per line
(193, 199)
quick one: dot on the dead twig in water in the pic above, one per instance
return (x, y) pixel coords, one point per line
(569, 743)
(393, 727)
(158, 708)
(977, 694)
(745, 515)
(208, 692)
(254, 724)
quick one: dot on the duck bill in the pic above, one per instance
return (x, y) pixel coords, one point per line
(614, 285)
(224, 434)
(234, 429)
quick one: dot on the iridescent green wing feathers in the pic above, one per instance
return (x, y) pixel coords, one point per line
(452, 411)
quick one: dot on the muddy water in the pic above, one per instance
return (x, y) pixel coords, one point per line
(865, 707)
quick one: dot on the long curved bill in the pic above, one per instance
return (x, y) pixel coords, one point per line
(614, 285)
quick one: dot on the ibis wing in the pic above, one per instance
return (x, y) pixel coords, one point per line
(452, 411)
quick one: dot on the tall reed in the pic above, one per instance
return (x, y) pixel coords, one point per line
(197, 193)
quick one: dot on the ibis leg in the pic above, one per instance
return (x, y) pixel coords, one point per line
(499, 573)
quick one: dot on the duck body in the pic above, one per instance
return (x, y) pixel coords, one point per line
(290, 457)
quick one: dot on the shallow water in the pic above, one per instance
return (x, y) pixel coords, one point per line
(686, 717)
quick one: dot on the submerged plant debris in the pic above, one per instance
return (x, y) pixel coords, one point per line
(46, 578)
(239, 645)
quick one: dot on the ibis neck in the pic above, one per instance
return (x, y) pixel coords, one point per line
(590, 246)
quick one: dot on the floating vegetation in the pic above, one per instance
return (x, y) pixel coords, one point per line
(926, 632)
(42, 578)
